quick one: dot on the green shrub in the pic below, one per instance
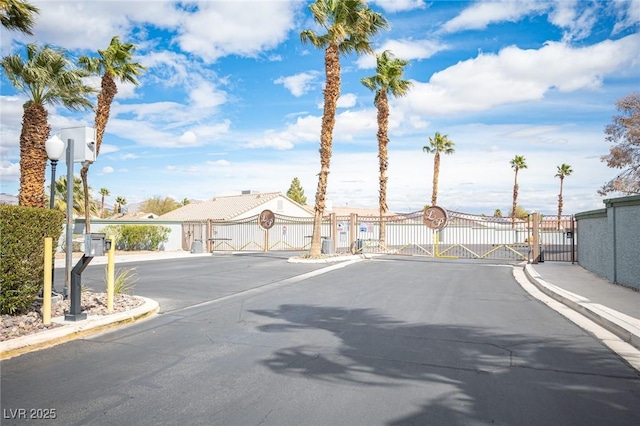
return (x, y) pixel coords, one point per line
(22, 233)
(138, 237)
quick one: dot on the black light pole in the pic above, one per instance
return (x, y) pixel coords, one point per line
(55, 149)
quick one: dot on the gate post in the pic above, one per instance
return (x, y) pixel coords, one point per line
(353, 231)
(536, 239)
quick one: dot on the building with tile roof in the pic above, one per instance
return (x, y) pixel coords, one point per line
(241, 206)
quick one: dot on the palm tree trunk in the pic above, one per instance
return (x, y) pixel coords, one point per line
(108, 91)
(383, 157)
(331, 95)
(560, 203)
(33, 156)
(436, 174)
(515, 201)
(85, 190)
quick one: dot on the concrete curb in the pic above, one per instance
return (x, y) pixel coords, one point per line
(625, 327)
(94, 324)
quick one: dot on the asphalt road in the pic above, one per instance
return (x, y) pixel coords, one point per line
(382, 342)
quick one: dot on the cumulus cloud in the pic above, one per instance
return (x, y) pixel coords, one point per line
(107, 170)
(577, 21)
(480, 15)
(299, 84)
(515, 75)
(406, 49)
(393, 6)
(239, 30)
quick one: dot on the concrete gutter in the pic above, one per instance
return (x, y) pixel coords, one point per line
(70, 330)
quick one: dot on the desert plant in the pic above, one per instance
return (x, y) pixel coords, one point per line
(125, 280)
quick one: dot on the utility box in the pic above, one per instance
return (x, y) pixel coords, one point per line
(197, 247)
(84, 143)
(94, 244)
(327, 246)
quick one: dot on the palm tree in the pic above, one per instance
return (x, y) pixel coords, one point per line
(46, 78)
(349, 24)
(18, 15)
(60, 201)
(120, 201)
(563, 170)
(439, 143)
(113, 63)
(388, 79)
(104, 192)
(518, 162)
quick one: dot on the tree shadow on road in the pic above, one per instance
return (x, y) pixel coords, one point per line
(480, 376)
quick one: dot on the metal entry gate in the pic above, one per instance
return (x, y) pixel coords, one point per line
(465, 236)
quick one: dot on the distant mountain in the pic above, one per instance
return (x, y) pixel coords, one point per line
(8, 199)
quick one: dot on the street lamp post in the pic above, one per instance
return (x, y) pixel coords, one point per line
(55, 149)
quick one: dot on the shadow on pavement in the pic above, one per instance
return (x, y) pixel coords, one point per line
(466, 374)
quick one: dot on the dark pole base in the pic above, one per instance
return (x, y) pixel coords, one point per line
(75, 317)
(75, 308)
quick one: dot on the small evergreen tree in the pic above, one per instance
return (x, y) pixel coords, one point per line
(296, 193)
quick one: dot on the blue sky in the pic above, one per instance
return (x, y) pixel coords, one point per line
(232, 100)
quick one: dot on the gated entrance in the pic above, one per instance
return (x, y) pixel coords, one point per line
(464, 236)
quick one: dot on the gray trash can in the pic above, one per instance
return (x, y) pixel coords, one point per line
(359, 245)
(197, 247)
(327, 246)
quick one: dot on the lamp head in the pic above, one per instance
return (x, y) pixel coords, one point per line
(54, 147)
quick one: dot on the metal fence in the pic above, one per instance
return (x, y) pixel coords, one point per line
(465, 236)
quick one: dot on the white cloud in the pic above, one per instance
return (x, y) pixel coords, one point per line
(299, 84)
(392, 6)
(515, 75)
(577, 18)
(107, 170)
(481, 14)
(218, 29)
(404, 49)
(629, 10)
(9, 171)
(205, 95)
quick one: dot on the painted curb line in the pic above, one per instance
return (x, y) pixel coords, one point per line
(94, 324)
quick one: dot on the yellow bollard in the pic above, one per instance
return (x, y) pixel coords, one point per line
(111, 272)
(46, 295)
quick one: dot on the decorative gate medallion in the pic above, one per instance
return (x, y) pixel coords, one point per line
(266, 219)
(435, 217)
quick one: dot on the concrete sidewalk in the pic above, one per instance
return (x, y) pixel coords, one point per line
(613, 307)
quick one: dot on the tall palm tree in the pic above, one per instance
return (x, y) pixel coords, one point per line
(120, 201)
(349, 25)
(563, 171)
(438, 144)
(47, 77)
(104, 192)
(113, 63)
(388, 79)
(517, 163)
(18, 15)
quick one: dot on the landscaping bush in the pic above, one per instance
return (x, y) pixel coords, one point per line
(22, 233)
(138, 237)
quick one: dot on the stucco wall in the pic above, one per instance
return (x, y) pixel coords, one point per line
(594, 249)
(627, 243)
(610, 240)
